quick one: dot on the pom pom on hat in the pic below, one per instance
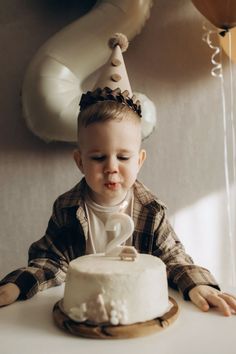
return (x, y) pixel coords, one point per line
(119, 39)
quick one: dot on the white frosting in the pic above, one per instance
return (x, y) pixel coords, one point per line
(100, 288)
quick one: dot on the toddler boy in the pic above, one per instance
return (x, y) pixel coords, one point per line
(109, 155)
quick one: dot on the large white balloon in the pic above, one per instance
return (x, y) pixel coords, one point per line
(54, 80)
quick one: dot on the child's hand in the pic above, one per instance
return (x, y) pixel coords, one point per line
(8, 294)
(204, 297)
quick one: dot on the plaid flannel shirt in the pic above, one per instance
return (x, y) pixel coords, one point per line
(66, 236)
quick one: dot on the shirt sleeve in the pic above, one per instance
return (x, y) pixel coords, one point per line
(182, 273)
(48, 258)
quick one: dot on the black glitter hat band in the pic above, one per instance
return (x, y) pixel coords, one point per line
(106, 94)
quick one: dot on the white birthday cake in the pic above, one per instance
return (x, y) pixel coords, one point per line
(115, 289)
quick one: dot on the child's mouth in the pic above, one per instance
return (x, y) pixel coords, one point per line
(112, 185)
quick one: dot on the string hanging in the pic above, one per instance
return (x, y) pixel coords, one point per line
(217, 71)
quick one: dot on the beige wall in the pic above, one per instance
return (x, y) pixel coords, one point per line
(169, 63)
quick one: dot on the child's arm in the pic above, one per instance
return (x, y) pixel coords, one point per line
(9, 293)
(46, 268)
(205, 297)
(182, 273)
(196, 283)
(49, 257)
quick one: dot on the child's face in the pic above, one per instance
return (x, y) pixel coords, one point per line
(110, 158)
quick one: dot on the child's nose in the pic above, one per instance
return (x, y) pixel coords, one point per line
(111, 165)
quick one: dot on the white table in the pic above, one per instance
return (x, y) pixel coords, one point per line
(28, 327)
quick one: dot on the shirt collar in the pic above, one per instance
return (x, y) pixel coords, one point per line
(76, 195)
(146, 197)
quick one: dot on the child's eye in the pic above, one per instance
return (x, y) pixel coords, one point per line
(98, 158)
(123, 158)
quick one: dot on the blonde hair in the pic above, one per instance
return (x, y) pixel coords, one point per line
(104, 111)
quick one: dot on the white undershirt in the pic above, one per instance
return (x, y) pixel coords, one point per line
(97, 215)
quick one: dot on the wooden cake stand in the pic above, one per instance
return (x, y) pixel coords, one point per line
(108, 331)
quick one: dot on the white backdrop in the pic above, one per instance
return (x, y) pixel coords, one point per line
(170, 64)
